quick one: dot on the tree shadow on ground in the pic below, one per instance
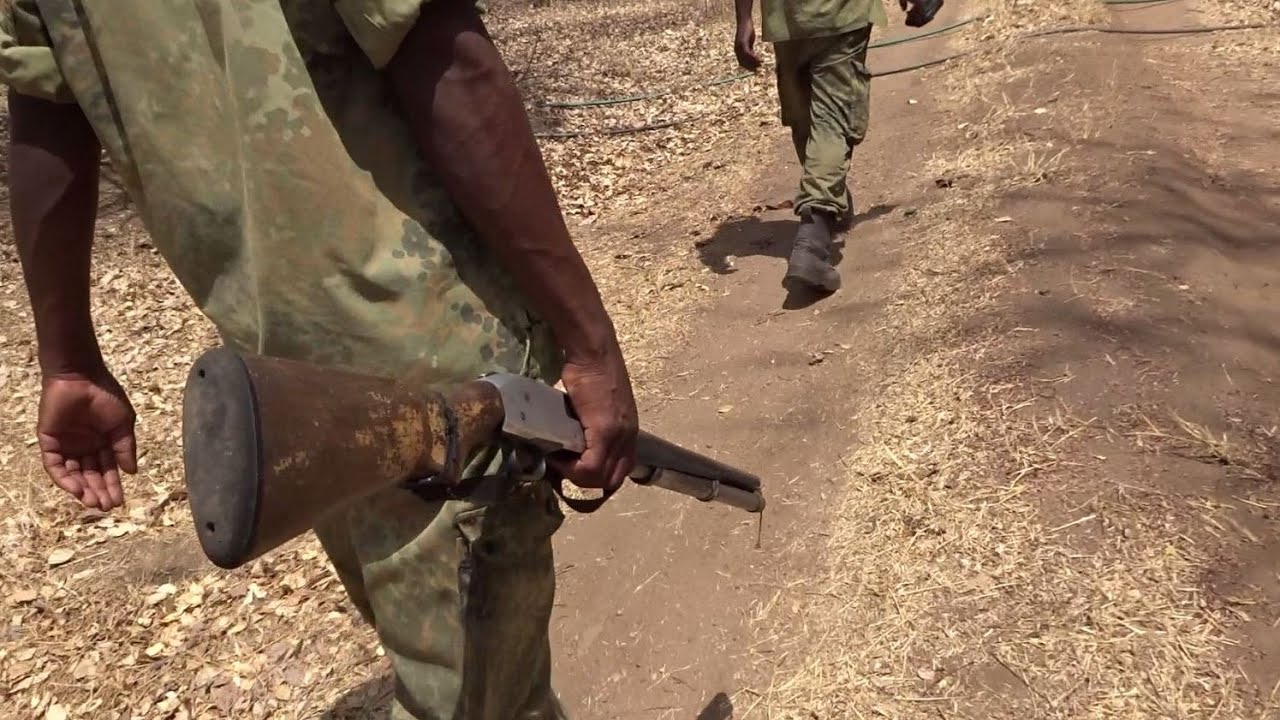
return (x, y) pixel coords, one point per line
(752, 236)
(1199, 248)
(372, 699)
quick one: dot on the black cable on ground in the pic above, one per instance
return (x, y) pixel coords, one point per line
(565, 134)
(1081, 29)
(604, 102)
(945, 59)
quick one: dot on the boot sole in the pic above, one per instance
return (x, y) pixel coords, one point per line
(801, 278)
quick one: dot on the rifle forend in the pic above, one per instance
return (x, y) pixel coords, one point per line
(271, 446)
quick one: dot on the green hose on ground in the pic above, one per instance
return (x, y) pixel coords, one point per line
(908, 68)
(603, 102)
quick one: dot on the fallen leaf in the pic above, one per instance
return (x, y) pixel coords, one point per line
(56, 712)
(1004, 219)
(23, 596)
(61, 556)
(724, 409)
(85, 668)
(927, 674)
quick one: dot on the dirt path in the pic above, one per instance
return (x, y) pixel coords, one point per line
(1151, 285)
(658, 595)
(1135, 291)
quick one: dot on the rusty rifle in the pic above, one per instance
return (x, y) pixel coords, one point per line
(271, 446)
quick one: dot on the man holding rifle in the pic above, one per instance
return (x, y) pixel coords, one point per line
(353, 184)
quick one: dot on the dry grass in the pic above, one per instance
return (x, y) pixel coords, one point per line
(121, 617)
(956, 583)
(946, 592)
(1239, 11)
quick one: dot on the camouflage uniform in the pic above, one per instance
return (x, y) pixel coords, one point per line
(824, 89)
(259, 141)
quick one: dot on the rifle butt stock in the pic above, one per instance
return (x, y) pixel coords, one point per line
(271, 446)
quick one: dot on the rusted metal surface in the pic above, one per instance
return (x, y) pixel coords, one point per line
(271, 446)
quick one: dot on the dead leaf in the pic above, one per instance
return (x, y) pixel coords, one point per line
(56, 712)
(23, 596)
(84, 669)
(61, 556)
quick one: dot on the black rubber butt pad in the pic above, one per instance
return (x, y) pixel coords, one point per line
(221, 446)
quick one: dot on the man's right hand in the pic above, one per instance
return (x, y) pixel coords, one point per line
(85, 432)
(600, 392)
(744, 46)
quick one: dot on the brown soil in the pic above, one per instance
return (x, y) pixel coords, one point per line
(1022, 465)
(659, 595)
(1138, 283)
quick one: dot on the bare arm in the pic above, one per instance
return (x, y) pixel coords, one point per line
(470, 122)
(85, 427)
(53, 195)
(744, 42)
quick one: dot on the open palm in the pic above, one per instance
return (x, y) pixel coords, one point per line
(85, 431)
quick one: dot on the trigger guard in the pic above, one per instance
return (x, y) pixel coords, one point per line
(579, 505)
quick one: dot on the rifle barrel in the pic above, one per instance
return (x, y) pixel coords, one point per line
(699, 488)
(652, 451)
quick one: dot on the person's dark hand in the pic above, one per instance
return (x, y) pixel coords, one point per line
(744, 46)
(916, 10)
(600, 392)
(85, 433)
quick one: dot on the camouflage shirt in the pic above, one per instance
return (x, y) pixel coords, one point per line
(801, 19)
(260, 142)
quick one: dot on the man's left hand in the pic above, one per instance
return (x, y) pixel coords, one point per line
(86, 437)
(744, 46)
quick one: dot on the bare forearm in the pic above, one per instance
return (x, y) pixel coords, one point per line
(743, 10)
(470, 122)
(53, 195)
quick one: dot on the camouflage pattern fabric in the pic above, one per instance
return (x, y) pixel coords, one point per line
(784, 20)
(260, 143)
(824, 89)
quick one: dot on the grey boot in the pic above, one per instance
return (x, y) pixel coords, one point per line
(810, 263)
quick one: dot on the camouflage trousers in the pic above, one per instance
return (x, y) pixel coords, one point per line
(824, 90)
(460, 594)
